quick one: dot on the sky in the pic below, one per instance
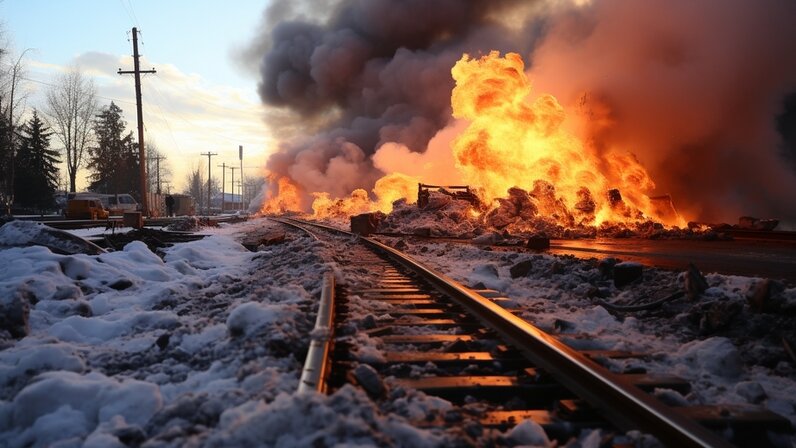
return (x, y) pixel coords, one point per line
(202, 98)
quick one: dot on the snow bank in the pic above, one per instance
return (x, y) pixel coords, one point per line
(59, 400)
(347, 418)
(27, 233)
(716, 356)
(251, 316)
(28, 360)
(216, 251)
(96, 330)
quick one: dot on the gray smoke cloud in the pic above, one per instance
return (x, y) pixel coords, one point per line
(694, 89)
(372, 72)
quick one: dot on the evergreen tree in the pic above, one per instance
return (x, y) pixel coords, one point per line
(113, 160)
(36, 167)
(6, 155)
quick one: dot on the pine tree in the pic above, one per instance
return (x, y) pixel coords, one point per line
(6, 154)
(6, 162)
(36, 166)
(113, 160)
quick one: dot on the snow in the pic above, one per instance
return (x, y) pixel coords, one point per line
(251, 316)
(202, 344)
(712, 356)
(118, 342)
(529, 433)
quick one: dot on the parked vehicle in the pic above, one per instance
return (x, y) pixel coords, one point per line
(118, 204)
(115, 204)
(85, 209)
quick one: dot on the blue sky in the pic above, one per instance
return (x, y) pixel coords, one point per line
(202, 99)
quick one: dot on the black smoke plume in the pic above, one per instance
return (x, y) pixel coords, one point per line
(697, 90)
(375, 71)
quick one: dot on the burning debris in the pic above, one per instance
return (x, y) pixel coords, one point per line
(457, 192)
(532, 174)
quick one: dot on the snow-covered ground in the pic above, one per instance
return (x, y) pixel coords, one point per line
(201, 345)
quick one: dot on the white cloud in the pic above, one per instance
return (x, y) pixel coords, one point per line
(183, 114)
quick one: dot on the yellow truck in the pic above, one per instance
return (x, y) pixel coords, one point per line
(85, 208)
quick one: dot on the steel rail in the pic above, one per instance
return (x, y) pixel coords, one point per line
(620, 402)
(316, 365)
(296, 224)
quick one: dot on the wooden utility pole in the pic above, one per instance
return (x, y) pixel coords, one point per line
(209, 155)
(223, 179)
(240, 157)
(157, 160)
(233, 168)
(139, 109)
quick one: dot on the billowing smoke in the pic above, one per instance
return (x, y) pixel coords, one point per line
(695, 89)
(375, 72)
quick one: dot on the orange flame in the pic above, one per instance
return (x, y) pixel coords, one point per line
(388, 189)
(520, 158)
(514, 142)
(285, 198)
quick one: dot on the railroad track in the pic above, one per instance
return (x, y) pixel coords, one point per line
(462, 345)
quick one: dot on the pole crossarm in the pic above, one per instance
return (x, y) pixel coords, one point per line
(140, 114)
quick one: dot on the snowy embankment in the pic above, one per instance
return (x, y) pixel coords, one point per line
(126, 347)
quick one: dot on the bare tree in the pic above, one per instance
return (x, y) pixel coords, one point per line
(72, 103)
(157, 167)
(196, 186)
(11, 105)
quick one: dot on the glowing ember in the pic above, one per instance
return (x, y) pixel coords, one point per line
(513, 142)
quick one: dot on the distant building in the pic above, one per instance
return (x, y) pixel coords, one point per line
(232, 202)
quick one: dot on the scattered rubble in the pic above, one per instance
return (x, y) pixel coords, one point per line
(695, 283)
(751, 223)
(765, 297)
(28, 233)
(521, 269)
(14, 314)
(155, 239)
(370, 380)
(186, 224)
(255, 240)
(626, 273)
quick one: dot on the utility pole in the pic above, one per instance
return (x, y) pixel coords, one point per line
(240, 157)
(223, 179)
(157, 160)
(233, 168)
(240, 190)
(209, 155)
(139, 109)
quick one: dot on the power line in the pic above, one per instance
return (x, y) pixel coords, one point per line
(162, 118)
(134, 21)
(199, 97)
(133, 11)
(55, 85)
(181, 117)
